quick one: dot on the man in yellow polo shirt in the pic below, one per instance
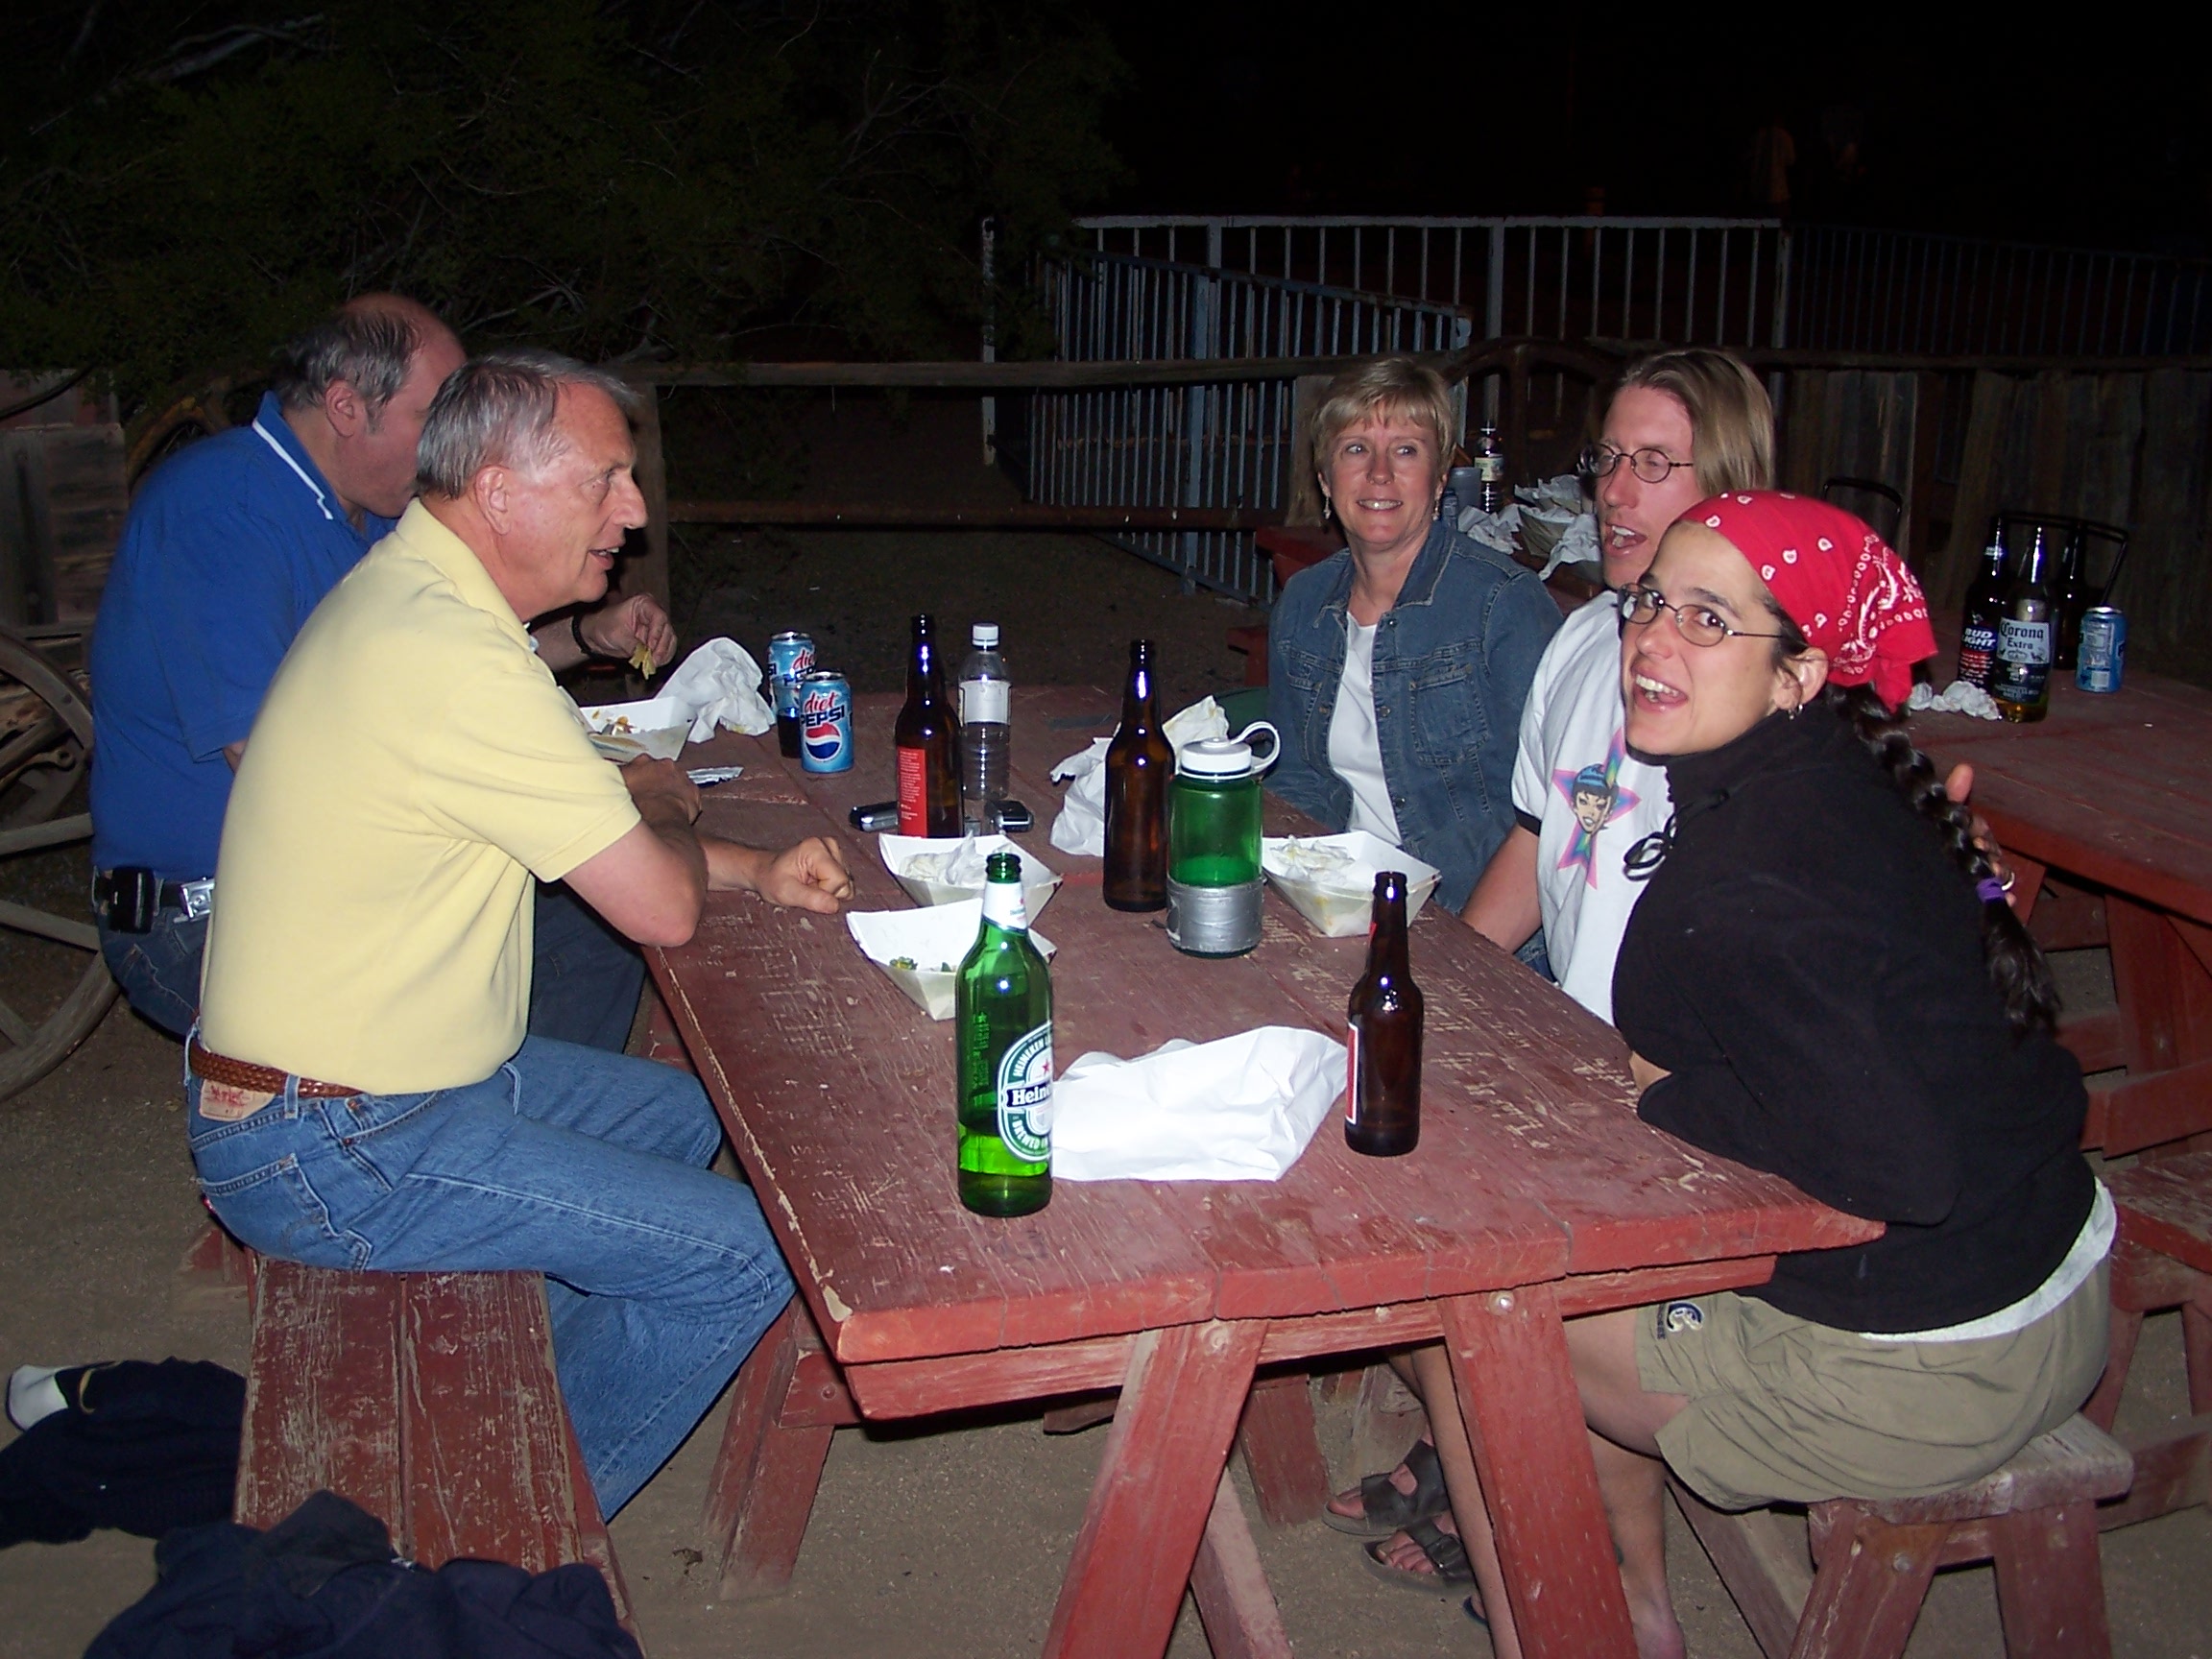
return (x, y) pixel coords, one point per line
(363, 1089)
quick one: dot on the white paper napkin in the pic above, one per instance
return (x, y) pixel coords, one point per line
(1960, 697)
(1239, 1109)
(1081, 825)
(720, 684)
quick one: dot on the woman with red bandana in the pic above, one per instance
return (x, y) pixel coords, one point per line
(1823, 981)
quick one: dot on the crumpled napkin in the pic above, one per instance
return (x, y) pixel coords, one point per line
(1081, 826)
(719, 684)
(1555, 523)
(1550, 520)
(1239, 1109)
(1493, 530)
(1960, 697)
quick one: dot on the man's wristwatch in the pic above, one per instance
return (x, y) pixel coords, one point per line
(576, 632)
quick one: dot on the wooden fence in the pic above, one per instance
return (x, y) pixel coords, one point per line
(2129, 447)
(2128, 442)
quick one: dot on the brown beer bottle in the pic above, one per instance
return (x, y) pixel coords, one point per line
(929, 784)
(1140, 766)
(1383, 1092)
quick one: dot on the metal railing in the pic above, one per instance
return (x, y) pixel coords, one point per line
(1694, 281)
(1742, 282)
(1205, 446)
(1956, 296)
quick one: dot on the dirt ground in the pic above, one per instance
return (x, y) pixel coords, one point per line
(934, 1540)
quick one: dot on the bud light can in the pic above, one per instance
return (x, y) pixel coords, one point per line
(2103, 649)
(825, 723)
(790, 659)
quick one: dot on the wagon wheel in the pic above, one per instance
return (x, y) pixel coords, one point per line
(45, 736)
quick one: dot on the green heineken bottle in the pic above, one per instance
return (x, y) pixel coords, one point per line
(1003, 1022)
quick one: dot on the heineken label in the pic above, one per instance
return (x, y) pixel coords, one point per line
(1024, 1088)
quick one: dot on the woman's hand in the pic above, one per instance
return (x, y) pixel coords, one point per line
(1643, 1072)
(1959, 784)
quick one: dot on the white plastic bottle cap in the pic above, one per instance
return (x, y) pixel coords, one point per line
(983, 634)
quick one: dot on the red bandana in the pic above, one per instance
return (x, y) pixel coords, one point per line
(1839, 582)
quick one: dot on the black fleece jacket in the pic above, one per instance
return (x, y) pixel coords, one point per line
(1808, 965)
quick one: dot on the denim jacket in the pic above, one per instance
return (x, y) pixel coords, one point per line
(1454, 658)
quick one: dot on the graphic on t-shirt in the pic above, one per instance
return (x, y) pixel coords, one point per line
(1595, 797)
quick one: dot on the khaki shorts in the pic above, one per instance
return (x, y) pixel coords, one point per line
(1782, 1410)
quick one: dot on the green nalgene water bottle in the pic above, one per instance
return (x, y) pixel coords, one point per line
(1003, 1022)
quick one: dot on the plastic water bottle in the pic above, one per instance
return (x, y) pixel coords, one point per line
(985, 694)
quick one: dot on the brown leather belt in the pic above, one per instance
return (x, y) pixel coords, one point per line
(215, 1068)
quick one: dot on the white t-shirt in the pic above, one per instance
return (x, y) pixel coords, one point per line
(1591, 800)
(1355, 745)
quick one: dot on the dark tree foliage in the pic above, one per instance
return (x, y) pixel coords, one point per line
(182, 184)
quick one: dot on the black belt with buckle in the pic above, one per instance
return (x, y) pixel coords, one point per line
(130, 898)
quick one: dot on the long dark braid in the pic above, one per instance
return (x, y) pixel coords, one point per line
(2017, 967)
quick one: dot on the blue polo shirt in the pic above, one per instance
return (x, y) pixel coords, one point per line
(228, 547)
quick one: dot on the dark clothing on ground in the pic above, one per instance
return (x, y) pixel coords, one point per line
(323, 1581)
(1808, 965)
(139, 1446)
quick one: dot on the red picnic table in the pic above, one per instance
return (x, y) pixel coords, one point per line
(2104, 807)
(1535, 1193)
(2113, 794)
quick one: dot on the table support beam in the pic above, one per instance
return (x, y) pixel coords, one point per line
(1231, 1588)
(1156, 1487)
(1282, 1452)
(1524, 1416)
(762, 1489)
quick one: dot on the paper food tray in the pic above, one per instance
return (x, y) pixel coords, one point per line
(899, 851)
(1340, 904)
(935, 938)
(655, 729)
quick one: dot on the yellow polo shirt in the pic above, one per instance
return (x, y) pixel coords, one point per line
(412, 767)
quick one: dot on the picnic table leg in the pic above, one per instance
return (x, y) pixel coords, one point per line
(1282, 1450)
(1524, 1416)
(1156, 1488)
(2164, 993)
(1230, 1587)
(762, 1489)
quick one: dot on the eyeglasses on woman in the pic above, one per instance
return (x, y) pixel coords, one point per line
(1698, 624)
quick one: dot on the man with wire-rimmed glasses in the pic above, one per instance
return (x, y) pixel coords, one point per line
(1682, 426)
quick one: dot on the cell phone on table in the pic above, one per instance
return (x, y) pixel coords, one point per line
(1009, 817)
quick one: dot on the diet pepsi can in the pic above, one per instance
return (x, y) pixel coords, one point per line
(2103, 649)
(790, 659)
(825, 723)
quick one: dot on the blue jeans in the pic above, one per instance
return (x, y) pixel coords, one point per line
(159, 970)
(583, 976)
(586, 1166)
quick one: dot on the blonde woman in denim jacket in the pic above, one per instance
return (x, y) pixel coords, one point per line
(1397, 669)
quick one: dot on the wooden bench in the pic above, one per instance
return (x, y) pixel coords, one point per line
(2036, 1518)
(428, 1399)
(2162, 1258)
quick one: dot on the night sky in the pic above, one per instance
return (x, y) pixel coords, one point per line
(2088, 124)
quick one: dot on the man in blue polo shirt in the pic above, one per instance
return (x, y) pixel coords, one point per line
(227, 548)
